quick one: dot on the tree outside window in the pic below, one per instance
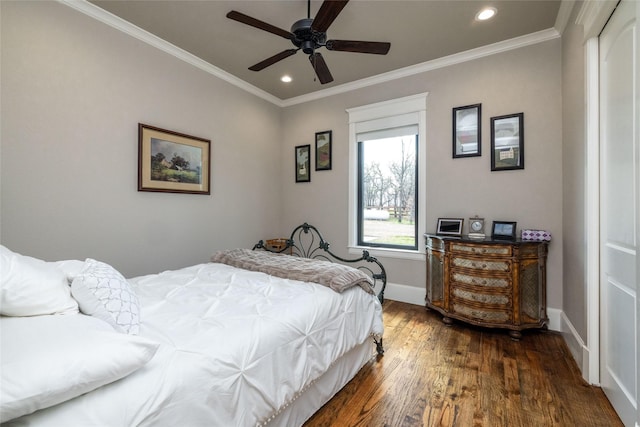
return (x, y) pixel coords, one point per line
(387, 192)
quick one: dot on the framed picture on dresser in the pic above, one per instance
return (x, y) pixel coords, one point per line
(449, 226)
(503, 230)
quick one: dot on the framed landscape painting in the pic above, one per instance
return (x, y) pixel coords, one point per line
(172, 162)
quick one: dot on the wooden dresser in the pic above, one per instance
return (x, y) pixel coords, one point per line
(485, 282)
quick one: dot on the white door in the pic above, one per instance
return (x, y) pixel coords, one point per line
(619, 110)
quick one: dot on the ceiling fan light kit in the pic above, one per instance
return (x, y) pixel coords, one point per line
(309, 35)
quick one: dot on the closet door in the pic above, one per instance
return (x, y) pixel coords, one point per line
(619, 182)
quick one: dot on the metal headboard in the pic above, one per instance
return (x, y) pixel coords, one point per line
(307, 242)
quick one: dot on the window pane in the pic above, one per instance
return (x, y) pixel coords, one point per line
(387, 192)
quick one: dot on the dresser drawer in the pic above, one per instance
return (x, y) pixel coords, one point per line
(486, 264)
(434, 243)
(479, 249)
(498, 300)
(488, 282)
(484, 315)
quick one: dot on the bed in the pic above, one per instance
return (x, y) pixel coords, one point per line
(222, 343)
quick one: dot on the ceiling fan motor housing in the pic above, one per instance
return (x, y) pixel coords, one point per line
(306, 38)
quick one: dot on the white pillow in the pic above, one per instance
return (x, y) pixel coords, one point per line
(70, 267)
(47, 360)
(103, 292)
(32, 287)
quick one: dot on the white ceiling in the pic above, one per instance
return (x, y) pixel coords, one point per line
(419, 31)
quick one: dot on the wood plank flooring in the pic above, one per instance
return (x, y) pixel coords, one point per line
(459, 375)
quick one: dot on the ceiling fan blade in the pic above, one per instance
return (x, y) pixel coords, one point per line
(245, 19)
(329, 10)
(378, 48)
(275, 58)
(322, 71)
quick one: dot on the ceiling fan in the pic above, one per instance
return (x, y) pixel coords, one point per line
(309, 35)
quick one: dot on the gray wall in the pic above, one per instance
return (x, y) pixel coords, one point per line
(574, 185)
(75, 89)
(73, 92)
(524, 80)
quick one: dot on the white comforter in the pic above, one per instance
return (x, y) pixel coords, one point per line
(237, 348)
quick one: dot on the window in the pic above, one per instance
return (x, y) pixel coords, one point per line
(387, 176)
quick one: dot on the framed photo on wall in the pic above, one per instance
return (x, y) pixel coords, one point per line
(467, 131)
(323, 150)
(172, 162)
(303, 163)
(507, 142)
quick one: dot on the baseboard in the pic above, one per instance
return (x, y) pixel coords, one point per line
(554, 315)
(405, 293)
(577, 347)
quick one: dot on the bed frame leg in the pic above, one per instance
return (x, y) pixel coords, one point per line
(379, 347)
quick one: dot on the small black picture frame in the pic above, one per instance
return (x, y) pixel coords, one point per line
(323, 150)
(503, 230)
(303, 163)
(450, 226)
(467, 131)
(507, 142)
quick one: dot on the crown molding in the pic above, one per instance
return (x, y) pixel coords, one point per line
(593, 16)
(469, 55)
(562, 19)
(126, 27)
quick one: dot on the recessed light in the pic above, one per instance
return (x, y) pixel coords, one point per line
(486, 13)
(286, 79)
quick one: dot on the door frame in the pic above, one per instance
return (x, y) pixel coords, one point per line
(593, 16)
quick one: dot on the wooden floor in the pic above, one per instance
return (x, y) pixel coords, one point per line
(437, 375)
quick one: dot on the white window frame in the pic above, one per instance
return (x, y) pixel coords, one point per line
(384, 115)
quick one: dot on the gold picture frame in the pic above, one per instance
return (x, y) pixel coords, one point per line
(173, 162)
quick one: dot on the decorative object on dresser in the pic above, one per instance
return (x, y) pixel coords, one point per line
(507, 142)
(503, 230)
(450, 226)
(467, 131)
(323, 150)
(476, 228)
(528, 234)
(490, 283)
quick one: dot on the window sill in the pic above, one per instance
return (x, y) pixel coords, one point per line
(388, 253)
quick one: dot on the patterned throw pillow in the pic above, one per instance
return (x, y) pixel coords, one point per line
(102, 292)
